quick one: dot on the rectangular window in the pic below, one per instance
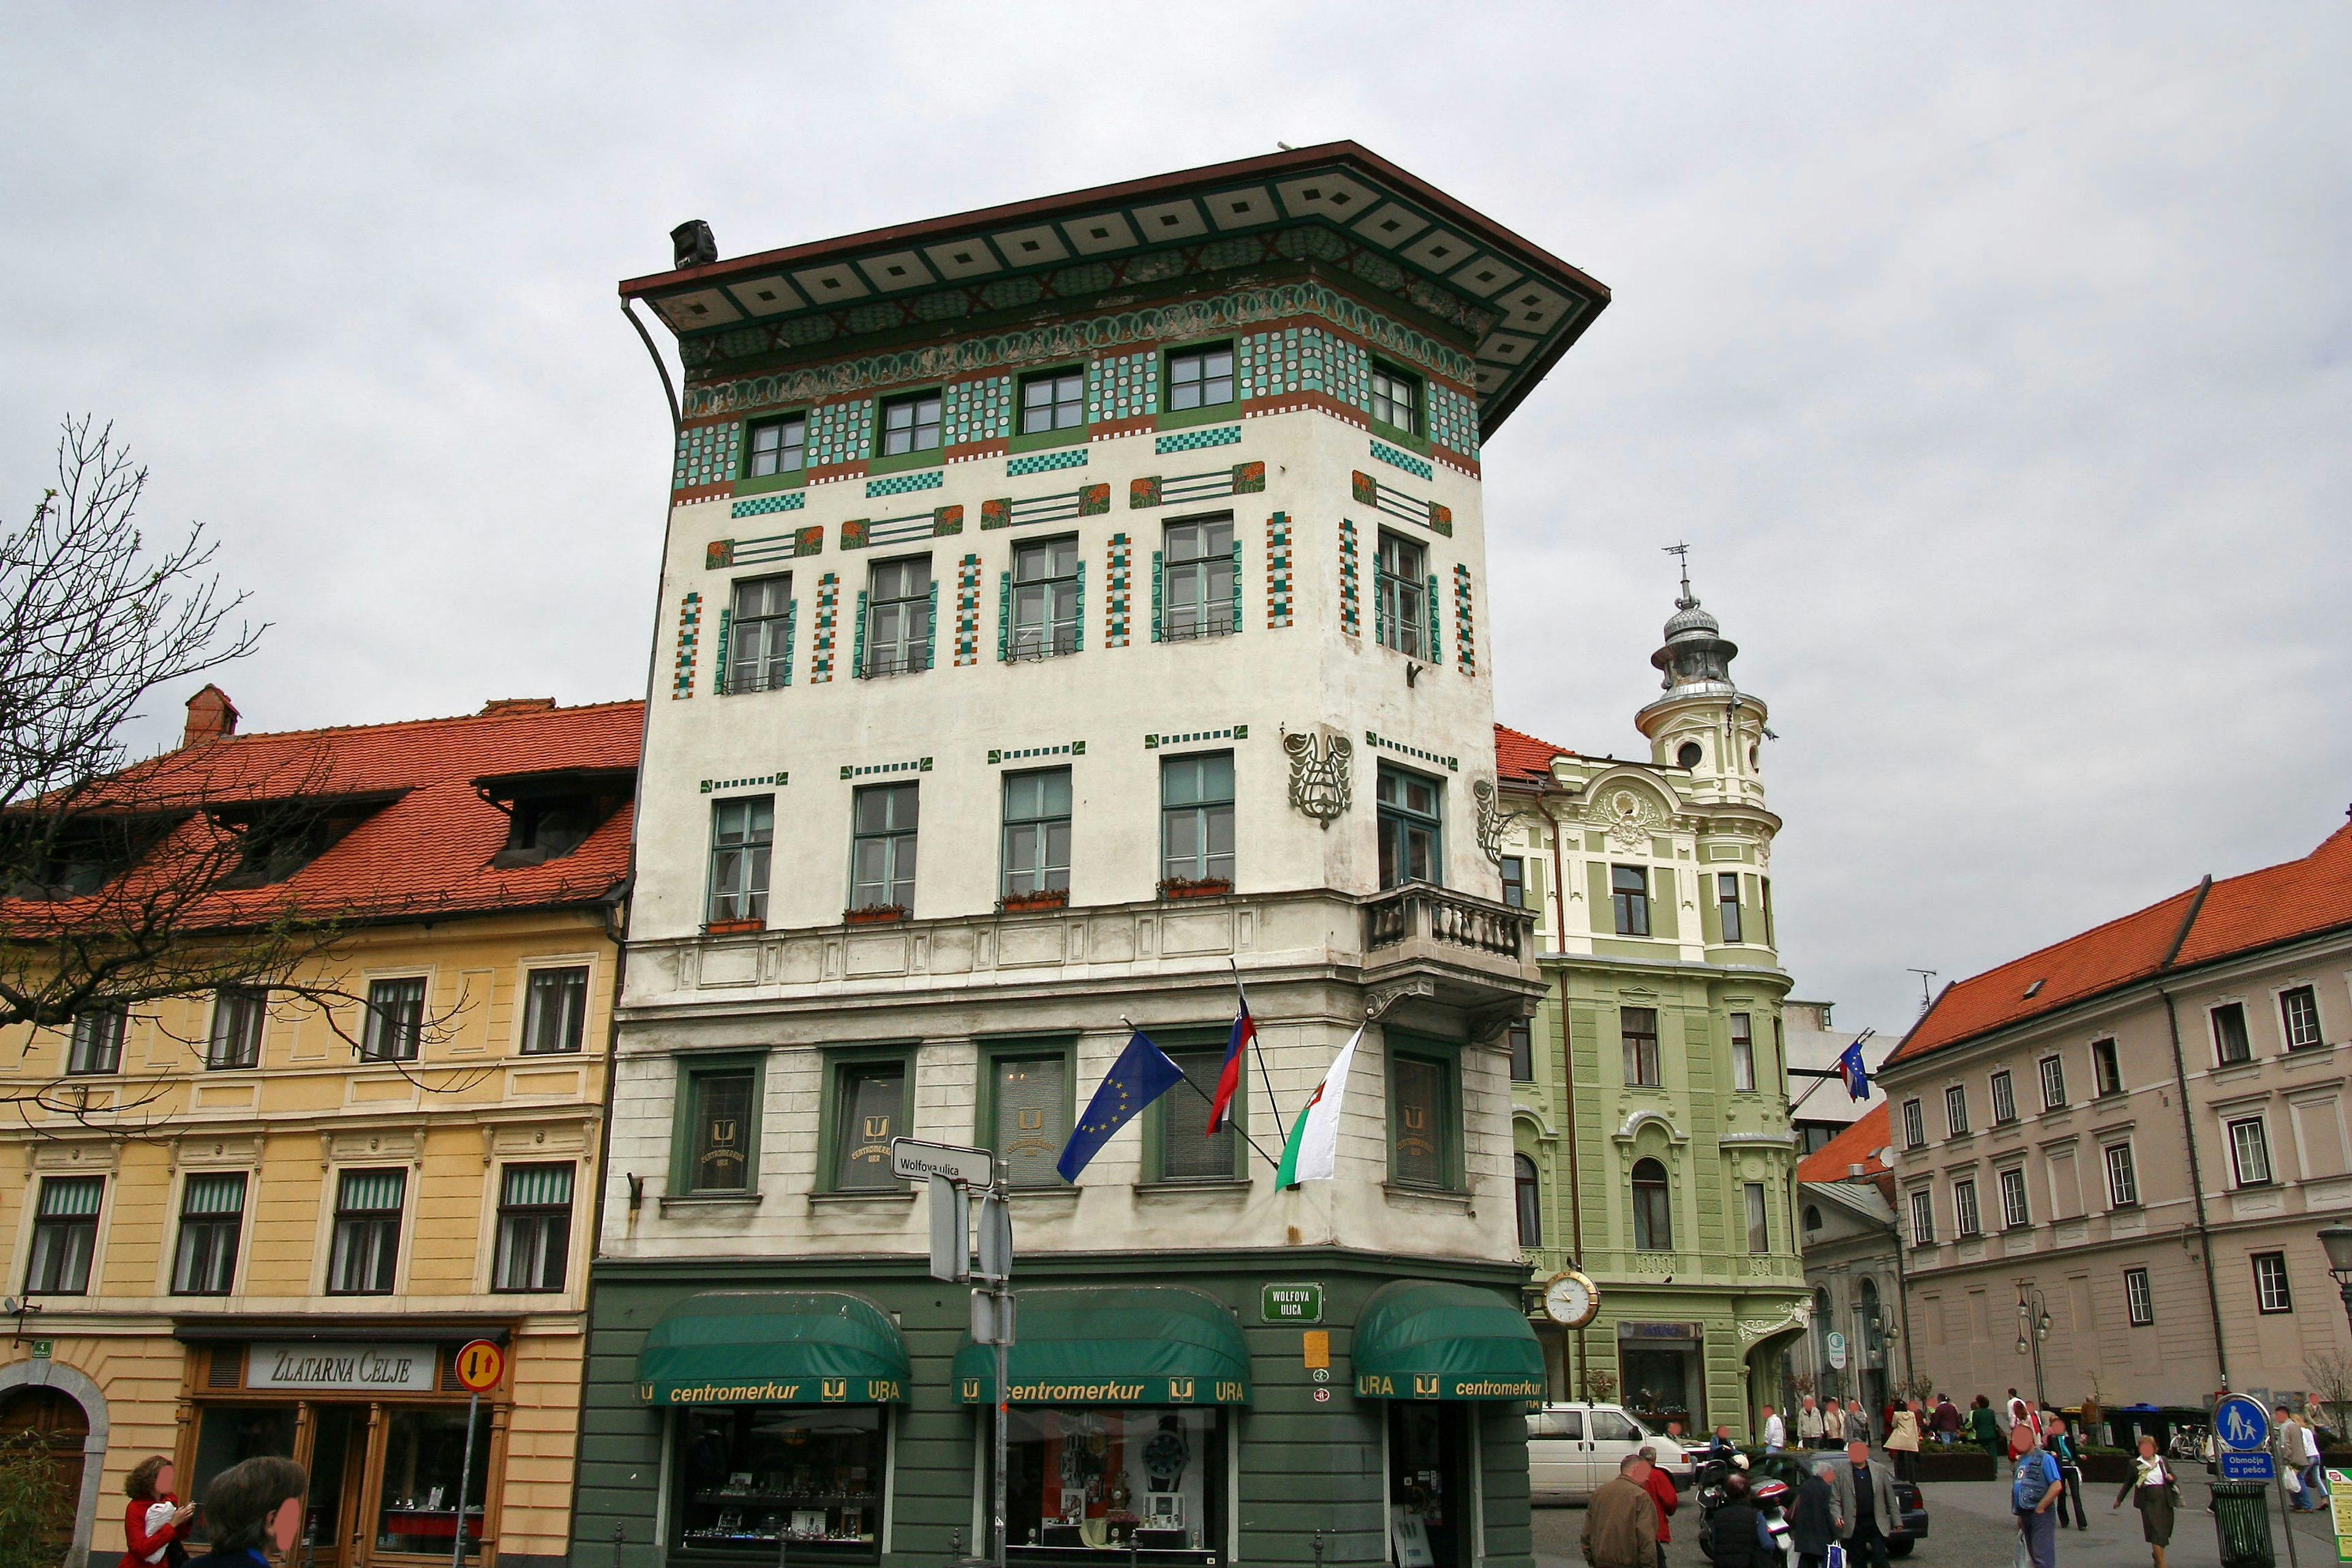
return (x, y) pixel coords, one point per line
(1401, 589)
(1726, 898)
(882, 846)
(1418, 1127)
(424, 1450)
(2139, 1301)
(910, 424)
(65, 1236)
(1638, 1030)
(2299, 1018)
(1523, 1052)
(1915, 1124)
(1037, 832)
(235, 1040)
(1044, 598)
(2013, 1212)
(2004, 1098)
(1769, 939)
(2053, 1083)
(2250, 1152)
(779, 445)
(97, 1044)
(2271, 1293)
(1189, 1151)
(1743, 1052)
(741, 833)
(1053, 401)
(396, 1020)
(870, 1111)
(1964, 1208)
(2106, 1071)
(2123, 1182)
(554, 1011)
(1759, 1234)
(1515, 881)
(366, 1251)
(1955, 1111)
(759, 633)
(1032, 1117)
(898, 617)
(1629, 892)
(1196, 579)
(1923, 1218)
(826, 1464)
(1411, 827)
(720, 1126)
(212, 1212)
(2230, 1041)
(534, 1228)
(1200, 378)
(1396, 399)
(1196, 819)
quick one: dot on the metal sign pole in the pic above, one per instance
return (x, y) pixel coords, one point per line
(999, 1241)
(465, 1472)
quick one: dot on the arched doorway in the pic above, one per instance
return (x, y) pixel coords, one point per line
(46, 1431)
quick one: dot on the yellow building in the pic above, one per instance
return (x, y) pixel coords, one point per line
(243, 1223)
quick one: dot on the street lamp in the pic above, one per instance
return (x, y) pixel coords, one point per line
(2034, 1329)
(2337, 1239)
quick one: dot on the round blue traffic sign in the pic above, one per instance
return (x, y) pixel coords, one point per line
(2239, 1422)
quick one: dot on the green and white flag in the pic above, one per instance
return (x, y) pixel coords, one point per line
(1313, 1153)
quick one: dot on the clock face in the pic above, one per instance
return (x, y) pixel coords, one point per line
(1569, 1299)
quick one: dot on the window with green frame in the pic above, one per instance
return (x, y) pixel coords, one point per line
(908, 425)
(715, 1142)
(1179, 1146)
(775, 446)
(1199, 377)
(868, 1108)
(1053, 400)
(1424, 1119)
(1026, 1110)
(1396, 399)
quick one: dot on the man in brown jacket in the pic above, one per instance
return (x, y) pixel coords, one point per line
(1621, 1522)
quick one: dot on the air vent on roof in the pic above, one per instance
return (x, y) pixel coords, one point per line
(2035, 989)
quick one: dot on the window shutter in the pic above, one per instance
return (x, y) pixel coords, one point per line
(726, 620)
(1434, 656)
(225, 1369)
(1155, 595)
(792, 619)
(1003, 615)
(931, 628)
(1078, 605)
(1237, 583)
(857, 646)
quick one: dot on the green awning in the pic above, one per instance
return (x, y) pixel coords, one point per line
(1133, 1344)
(1417, 1339)
(772, 1347)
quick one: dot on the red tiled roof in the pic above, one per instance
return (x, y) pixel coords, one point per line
(1857, 1145)
(2277, 903)
(427, 851)
(1521, 756)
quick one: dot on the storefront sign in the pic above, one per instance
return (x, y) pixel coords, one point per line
(1657, 1330)
(1442, 1386)
(1291, 1304)
(778, 1391)
(402, 1368)
(1143, 1389)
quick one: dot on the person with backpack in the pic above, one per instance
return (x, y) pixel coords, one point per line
(2033, 1488)
(2061, 1444)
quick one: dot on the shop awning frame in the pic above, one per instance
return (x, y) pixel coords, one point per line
(1120, 1344)
(1422, 1339)
(773, 1347)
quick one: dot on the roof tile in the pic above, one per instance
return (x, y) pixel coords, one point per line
(1859, 1144)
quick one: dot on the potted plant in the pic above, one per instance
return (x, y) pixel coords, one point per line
(875, 915)
(1035, 898)
(1192, 887)
(723, 928)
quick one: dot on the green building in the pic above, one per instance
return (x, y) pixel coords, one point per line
(1652, 1147)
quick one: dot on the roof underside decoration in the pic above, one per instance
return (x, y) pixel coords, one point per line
(1316, 231)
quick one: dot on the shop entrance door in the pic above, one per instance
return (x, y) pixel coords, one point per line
(332, 1523)
(1429, 1485)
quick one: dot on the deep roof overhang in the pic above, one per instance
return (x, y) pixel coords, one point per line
(1543, 304)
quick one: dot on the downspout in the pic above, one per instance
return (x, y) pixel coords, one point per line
(1568, 1088)
(2188, 1131)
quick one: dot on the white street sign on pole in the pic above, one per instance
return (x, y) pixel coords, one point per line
(916, 1159)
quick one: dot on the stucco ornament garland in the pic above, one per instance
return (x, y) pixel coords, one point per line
(1799, 1316)
(1629, 818)
(1322, 765)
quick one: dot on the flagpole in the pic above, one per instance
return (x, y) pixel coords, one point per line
(1211, 1101)
(1257, 1050)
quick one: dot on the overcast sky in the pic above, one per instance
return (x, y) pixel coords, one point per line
(1991, 360)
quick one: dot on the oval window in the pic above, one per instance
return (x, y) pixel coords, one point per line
(1689, 755)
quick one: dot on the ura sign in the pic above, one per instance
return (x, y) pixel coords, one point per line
(314, 1364)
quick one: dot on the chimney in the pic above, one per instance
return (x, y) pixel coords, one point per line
(211, 715)
(497, 705)
(1855, 1169)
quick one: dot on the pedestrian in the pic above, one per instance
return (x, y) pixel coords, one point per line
(1814, 1523)
(1808, 1424)
(1720, 1446)
(252, 1508)
(1871, 1512)
(1738, 1537)
(2033, 1486)
(2061, 1444)
(1776, 1434)
(1947, 1422)
(1857, 1421)
(156, 1518)
(1903, 1441)
(1661, 1488)
(1984, 1428)
(2024, 1428)
(1621, 1522)
(2155, 1493)
(2315, 1473)
(1831, 1435)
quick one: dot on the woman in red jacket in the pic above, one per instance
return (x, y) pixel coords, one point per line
(156, 1519)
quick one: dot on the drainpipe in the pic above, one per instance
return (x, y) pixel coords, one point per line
(1568, 1088)
(2189, 1131)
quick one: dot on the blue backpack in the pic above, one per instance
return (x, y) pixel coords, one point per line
(2036, 1473)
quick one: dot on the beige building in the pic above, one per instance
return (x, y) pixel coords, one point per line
(244, 1223)
(2137, 1132)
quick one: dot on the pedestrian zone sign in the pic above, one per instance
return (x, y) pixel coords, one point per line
(2238, 1465)
(2239, 1423)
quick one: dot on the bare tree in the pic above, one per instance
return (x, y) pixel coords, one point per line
(2330, 1372)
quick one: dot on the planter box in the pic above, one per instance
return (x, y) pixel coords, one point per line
(723, 928)
(879, 915)
(1956, 1465)
(1212, 889)
(1023, 903)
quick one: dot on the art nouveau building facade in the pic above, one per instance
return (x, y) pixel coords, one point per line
(1069, 608)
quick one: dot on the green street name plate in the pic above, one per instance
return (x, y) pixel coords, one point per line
(1291, 1303)
(41, 1349)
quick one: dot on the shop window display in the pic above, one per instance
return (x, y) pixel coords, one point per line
(1148, 1479)
(422, 1452)
(231, 1433)
(751, 1474)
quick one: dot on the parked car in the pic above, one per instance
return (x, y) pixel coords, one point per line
(1791, 1467)
(1572, 1448)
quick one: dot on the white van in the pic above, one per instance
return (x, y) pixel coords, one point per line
(1572, 1448)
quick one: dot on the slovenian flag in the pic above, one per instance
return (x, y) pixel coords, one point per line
(1857, 1076)
(1221, 1104)
(1313, 1153)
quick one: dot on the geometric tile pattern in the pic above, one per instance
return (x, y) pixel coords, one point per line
(1385, 744)
(1454, 420)
(1305, 359)
(838, 432)
(1465, 628)
(706, 454)
(828, 602)
(1370, 492)
(1154, 740)
(1352, 615)
(998, 755)
(900, 484)
(1115, 623)
(1045, 462)
(760, 506)
(978, 410)
(1121, 386)
(1278, 570)
(689, 630)
(1193, 441)
(1436, 616)
(1410, 465)
(967, 632)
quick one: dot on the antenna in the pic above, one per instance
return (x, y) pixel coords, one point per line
(1925, 998)
(1682, 552)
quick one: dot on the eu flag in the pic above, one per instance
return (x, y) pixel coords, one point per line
(1141, 1075)
(1857, 1076)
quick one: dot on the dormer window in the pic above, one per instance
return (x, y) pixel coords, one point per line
(551, 814)
(278, 837)
(72, 855)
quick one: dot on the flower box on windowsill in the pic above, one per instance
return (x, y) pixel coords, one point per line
(1042, 899)
(875, 915)
(727, 928)
(1206, 887)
